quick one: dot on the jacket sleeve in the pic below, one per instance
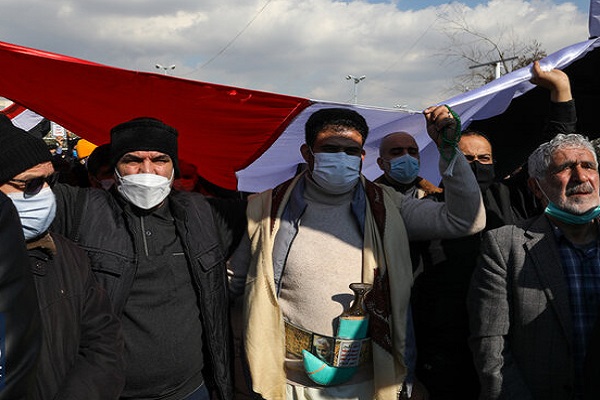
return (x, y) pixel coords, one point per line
(97, 373)
(19, 315)
(488, 305)
(461, 214)
(563, 119)
(71, 202)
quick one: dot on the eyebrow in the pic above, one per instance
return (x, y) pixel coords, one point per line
(404, 147)
(571, 164)
(341, 147)
(132, 158)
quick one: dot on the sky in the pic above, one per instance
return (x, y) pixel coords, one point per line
(302, 48)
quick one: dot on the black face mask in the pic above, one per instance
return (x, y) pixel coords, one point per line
(484, 173)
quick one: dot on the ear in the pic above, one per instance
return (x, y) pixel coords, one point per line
(381, 163)
(306, 154)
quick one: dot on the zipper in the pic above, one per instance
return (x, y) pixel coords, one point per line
(144, 235)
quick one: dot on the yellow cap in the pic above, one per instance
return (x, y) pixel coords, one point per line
(84, 148)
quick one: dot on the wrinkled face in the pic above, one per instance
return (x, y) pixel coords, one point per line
(31, 180)
(571, 181)
(145, 162)
(394, 146)
(334, 140)
(476, 147)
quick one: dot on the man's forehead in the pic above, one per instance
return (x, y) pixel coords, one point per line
(399, 139)
(145, 154)
(567, 154)
(474, 141)
(339, 135)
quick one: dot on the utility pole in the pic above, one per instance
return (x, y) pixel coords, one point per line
(356, 82)
(497, 65)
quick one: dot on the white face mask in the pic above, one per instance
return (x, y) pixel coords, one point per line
(336, 172)
(36, 212)
(144, 190)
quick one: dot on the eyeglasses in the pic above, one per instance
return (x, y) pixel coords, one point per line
(351, 151)
(31, 187)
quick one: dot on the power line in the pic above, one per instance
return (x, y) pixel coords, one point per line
(232, 40)
(409, 48)
(417, 40)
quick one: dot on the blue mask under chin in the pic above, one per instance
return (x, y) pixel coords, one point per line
(569, 218)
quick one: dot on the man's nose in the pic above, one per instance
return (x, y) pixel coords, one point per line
(146, 167)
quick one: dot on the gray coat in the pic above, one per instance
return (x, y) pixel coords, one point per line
(520, 320)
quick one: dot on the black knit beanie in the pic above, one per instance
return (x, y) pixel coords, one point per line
(98, 158)
(19, 150)
(143, 134)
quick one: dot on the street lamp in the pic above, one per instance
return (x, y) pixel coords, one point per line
(165, 68)
(356, 82)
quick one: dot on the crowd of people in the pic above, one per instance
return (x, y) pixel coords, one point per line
(129, 276)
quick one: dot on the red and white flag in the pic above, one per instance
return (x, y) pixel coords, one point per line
(26, 119)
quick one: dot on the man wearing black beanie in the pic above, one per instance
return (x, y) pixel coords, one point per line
(161, 255)
(81, 353)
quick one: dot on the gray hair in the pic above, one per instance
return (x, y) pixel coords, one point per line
(540, 159)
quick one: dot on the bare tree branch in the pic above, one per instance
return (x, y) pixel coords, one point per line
(470, 47)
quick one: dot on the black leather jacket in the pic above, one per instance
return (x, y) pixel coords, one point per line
(210, 232)
(18, 308)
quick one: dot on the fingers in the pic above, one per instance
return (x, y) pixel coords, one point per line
(536, 71)
(554, 80)
(438, 119)
(437, 115)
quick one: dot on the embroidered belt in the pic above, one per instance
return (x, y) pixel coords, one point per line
(335, 351)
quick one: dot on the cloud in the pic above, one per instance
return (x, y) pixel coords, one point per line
(303, 48)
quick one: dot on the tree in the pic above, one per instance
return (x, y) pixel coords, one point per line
(480, 53)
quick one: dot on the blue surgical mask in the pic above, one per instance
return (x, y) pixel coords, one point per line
(565, 216)
(36, 212)
(404, 169)
(337, 173)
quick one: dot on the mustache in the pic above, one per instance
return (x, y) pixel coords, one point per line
(582, 188)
